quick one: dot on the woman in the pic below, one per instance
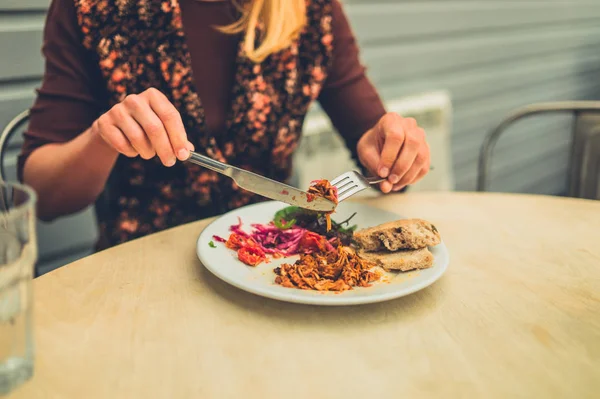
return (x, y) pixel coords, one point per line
(131, 87)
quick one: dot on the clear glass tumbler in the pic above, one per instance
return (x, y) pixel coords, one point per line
(18, 254)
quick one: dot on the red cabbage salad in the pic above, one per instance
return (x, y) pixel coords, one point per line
(292, 231)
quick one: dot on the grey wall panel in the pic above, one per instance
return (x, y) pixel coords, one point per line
(20, 41)
(15, 97)
(24, 5)
(536, 129)
(407, 60)
(377, 21)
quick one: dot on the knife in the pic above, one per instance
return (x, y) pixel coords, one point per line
(264, 186)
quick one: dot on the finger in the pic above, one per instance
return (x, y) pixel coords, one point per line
(394, 136)
(190, 146)
(135, 134)
(113, 136)
(369, 156)
(410, 123)
(172, 122)
(420, 175)
(411, 175)
(397, 188)
(153, 127)
(407, 156)
(385, 186)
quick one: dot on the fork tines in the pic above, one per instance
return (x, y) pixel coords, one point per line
(348, 184)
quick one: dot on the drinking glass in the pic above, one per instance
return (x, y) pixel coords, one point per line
(18, 254)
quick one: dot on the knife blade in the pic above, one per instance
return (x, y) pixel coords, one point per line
(264, 186)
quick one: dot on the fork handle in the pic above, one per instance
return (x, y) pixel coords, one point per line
(377, 180)
(374, 180)
(210, 163)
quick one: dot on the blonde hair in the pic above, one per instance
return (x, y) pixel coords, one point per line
(281, 20)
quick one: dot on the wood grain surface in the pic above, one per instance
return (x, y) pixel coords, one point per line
(516, 315)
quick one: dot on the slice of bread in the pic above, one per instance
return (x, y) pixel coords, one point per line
(404, 260)
(401, 234)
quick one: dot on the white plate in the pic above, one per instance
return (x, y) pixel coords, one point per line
(260, 280)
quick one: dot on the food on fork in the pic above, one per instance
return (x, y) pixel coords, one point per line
(323, 188)
(401, 234)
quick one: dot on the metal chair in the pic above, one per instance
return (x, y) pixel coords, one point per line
(577, 108)
(61, 241)
(9, 131)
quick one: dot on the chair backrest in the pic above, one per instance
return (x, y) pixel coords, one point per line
(9, 131)
(572, 107)
(585, 173)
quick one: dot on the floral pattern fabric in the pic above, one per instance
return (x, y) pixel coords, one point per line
(141, 44)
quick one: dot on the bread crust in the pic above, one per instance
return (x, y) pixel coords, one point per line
(404, 260)
(398, 235)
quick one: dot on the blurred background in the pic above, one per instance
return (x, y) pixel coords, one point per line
(459, 67)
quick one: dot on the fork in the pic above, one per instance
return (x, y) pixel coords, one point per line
(351, 183)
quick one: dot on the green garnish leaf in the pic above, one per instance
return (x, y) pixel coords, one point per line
(284, 225)
(284, 218)
(212, 244)
(350, 229)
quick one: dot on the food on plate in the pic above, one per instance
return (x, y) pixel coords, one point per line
(323, 188)
(333, 256)
(337, 270)
(248, 250)
(401, 234)
(403, 260)
(305, 235)
(292, 231)
(401, 245)
(266, 239)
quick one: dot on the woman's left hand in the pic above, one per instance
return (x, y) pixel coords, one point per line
(396, 149)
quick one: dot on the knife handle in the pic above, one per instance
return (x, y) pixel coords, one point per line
(210, 163)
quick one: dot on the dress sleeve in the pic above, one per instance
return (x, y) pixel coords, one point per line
(72, 93)
(348, 97)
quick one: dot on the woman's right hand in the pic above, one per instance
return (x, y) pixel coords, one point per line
(145, 124)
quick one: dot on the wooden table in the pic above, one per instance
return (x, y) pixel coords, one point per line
(516, 315)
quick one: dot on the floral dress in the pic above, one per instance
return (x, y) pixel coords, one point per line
(141, 44)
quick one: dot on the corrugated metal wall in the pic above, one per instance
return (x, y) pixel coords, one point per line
(492, 55)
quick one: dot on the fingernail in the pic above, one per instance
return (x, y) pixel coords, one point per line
(171, 162)
(190, 146)
(183, 154)
(394, 179)
(384, 172)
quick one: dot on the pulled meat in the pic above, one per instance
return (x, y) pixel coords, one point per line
(323, 188)
(338, 270)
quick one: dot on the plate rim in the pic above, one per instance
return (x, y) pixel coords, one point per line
(323, 300)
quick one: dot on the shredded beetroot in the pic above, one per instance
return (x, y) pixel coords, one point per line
(219, 239)
(267, 239)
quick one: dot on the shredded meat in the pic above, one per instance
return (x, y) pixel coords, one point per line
(323, 188)
(338, 270)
